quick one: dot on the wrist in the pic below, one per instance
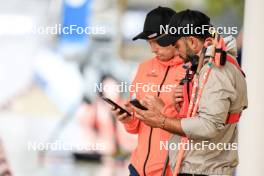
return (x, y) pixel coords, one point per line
(162, 121)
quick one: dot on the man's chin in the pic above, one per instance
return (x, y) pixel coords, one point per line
(164, 59)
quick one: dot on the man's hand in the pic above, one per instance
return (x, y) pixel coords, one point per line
(123, 117)
(151, 117)
(153, 101)
(154, 118)
(178, 97)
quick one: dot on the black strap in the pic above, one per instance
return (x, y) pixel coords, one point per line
(165, 165)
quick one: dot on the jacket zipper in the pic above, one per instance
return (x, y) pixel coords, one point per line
(150, 134)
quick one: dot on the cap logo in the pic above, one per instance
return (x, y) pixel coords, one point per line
(153, 35)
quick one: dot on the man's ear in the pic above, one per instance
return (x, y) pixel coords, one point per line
(193, 43)
(208, 41)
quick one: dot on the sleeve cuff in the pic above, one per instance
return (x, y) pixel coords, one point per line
(132, 124)
(199, 128)
(188, 125)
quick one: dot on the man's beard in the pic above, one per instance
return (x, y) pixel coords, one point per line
(192, 57)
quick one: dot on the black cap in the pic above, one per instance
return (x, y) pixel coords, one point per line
(188, 19)
(155, 18)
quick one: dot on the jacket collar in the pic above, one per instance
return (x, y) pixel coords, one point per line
(173, 62)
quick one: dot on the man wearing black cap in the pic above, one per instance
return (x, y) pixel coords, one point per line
(154, 20)
(163, 69)
(219, 96)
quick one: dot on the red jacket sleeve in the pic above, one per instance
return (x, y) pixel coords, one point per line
(132, 126)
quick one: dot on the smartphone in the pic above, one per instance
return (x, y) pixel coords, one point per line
(122, 110)
(137, 104)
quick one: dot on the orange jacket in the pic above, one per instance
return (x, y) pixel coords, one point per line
(148, 158)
